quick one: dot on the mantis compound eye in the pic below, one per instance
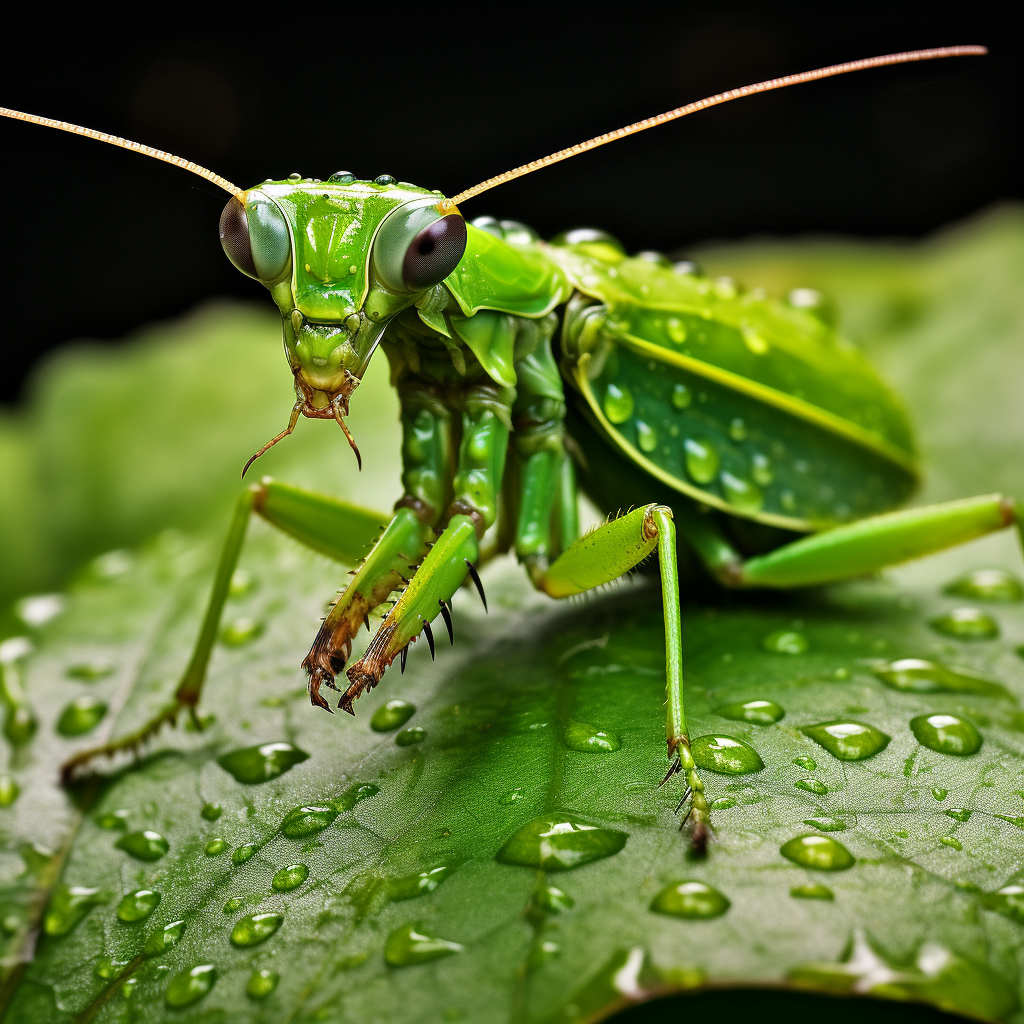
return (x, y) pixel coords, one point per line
(417, 248)
(255, 238)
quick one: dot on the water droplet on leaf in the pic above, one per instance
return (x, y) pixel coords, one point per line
(761, 469)
(82, 715)
(164, 939)
(307, 820)
(987, 585)
(89, 671)
(138, 905)
(419, 884)
(786, 641)
(807, 763)
(826, 824)
(412, 944)
(682, 396)
(145, 845)
(560, 843)
(411, 736)
(618, 403)
(691, 900)
(723, 803)
(232, 904)
(9, 790)
(725, 755)
(756, 712)
(966, 624)
(255, 928)
(590, 739)
(847, 740)
(958, 813)
(646, 436)
(915, 675)
(953, 844)
(511, 797)
(701, 460)
(939, 793)
(741, 494)
(811, 786)
(822, 853)
(552, 900)
(215, 847)
(266, 761)
(290, 877)
(946, 734)
(68, 906)
(812, 892)
(211, 812)
(243, 853)
(392, 715)
(190, 986)
(261, 983)
(242, 631)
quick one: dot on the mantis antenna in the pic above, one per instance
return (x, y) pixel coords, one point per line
(714, 101)
(138, 147)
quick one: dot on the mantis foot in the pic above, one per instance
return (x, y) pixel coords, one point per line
(700, 828)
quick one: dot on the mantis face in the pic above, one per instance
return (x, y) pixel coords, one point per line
(340, 258)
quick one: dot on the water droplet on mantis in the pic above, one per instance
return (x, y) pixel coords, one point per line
(242, 631)
(966, 624)
(618, 403)
(290, 877)
(253, 929)
(419, 884)
(215, 847)
(82, 715)
(738, 429)
(138, 905)
(411, 736)
(261, 983)
(761, 469)
(589, 739)
(682, 396)
(690, 900)
(725, 755)
(847, 740)
(144, 845)
(807, 763)
(307, 820)
(701, 460)
(164, 939)
(741, 494)
(756, 712)
(821, 853)
(987, 585)
(412, 944)
(190, 986)
(261, 763)
(243, 853)
(811, 786)
(392, 715)
(646, 436)
(946, 734)
(9, 790)
(560, 843)
(812, 892)
(786, 641)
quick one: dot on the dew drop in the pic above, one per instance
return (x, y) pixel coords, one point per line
(822, 853)
(82, 715)
(106, 968)
(946, 734)
(68, 906)
(690, 900)
(807, 763)
(915, 675)
(738, 429)
(939, 793)
(552, 900)
(290, 877)
(953, 844)
(261, 983)
(511, 796)
(190, 986)
(646, 436)
(164, 939)
(987, 585)
(847, 740)
(1017, 820)
(618, 403)
(741, 494)
(676, 330)
(215, 847)
(826, 824)
(682, 396)
(958, 813)
(138, 905)
(232, 904)
(211, 812)
(701, 460)
(392, 715)
(761, 469)
(723, 803)
(786, 641)
(242, 631)
(89, 671)
(756, 712)
(412, 944)
(1008, 901)
(266, 761)
(560, 843)
(9, 790)
(253, 929)
(411, 736)
(966, 624)
(307, 820)
(811, 786)
(589, 739)
(754, 341)
(145, 845)
(243, 853)
(725, 755)
(410, 886)
(812, 892)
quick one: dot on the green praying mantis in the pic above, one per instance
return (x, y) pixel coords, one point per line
(527, 369)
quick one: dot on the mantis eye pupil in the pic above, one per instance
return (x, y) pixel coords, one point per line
(234, 237)
(435, 252)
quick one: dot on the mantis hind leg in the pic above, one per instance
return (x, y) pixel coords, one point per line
(604, 555)
(333, 527)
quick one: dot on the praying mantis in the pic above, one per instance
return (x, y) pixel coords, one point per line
(528, 370)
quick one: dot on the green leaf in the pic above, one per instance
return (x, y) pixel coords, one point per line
(506, 867)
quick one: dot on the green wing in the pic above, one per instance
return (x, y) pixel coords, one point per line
(740, 402)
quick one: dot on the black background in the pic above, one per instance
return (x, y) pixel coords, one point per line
(98, 241)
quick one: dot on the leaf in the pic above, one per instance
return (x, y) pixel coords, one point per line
(520, 861)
